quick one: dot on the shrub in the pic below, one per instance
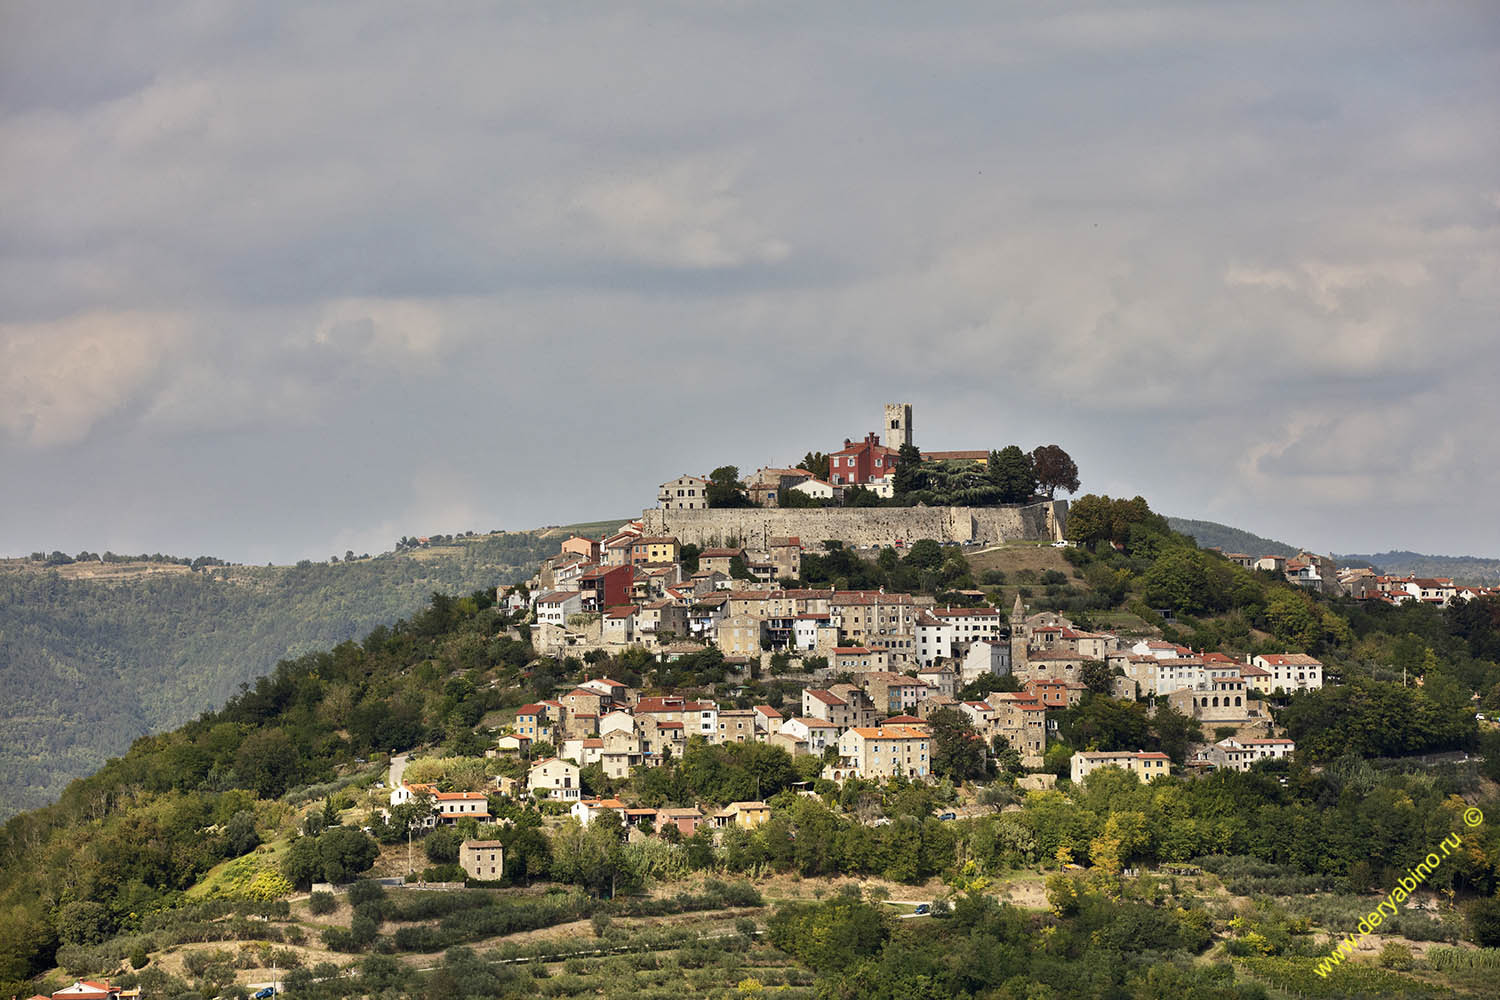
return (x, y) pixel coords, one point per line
(1396, 956)
(139, 958)
(321, 903)
(366, 891)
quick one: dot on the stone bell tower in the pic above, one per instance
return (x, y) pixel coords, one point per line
(897, 424)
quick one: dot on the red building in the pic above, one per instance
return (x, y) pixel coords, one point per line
(857, 464)
(606, 586)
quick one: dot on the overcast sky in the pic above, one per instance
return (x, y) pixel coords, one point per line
(284, 279)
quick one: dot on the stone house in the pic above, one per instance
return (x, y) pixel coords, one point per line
(683, 493)
(482, 860)
(882, 752)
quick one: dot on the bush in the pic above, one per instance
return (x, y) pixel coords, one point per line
(1396, 956)
(339, 939)
(366, 891)
(139, 958)
(322, 903)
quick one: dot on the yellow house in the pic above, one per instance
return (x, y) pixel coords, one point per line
(746, 815)
(654, 549)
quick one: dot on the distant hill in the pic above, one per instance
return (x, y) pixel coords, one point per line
(94, 655)
(1209, 535)
(1462, 569)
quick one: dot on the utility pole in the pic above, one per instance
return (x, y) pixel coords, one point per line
(408, 849)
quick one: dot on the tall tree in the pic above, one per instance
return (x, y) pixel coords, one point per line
(725, 488)
(1055, 469)
(815, 462)
(957, 750)
(1012, 472)
(908, 475)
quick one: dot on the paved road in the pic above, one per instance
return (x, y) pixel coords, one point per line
(398, 768)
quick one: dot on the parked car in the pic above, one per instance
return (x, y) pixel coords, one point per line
(262, 994)
(922, 908)
(948, 816)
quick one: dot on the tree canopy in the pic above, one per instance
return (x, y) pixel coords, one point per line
(1013, 473)
(1055, 470)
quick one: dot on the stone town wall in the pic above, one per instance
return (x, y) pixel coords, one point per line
(753, 526)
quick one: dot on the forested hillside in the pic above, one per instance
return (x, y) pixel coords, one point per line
(1212, 535)
(89, 664)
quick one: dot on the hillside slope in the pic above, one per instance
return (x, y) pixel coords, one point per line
(1212, 535)
(93, 655)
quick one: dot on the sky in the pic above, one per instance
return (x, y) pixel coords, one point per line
(279, 280)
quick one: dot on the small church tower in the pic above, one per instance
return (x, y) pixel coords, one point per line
(897, 424)
(1019, 662)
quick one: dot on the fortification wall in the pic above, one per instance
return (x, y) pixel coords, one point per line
(753, 526)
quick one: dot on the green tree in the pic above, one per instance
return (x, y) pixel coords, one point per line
(267, 762)
(831, 935)
(957, 750)
(725, 489)
(1174, 732)
(1105, 724)
(908, 475)
(302, 864)
(441, 846)
(925, 553)
(83, 922)
(345, 852)
(1012, 472)
(240, 837)
(1097, 676)
(1055, 470)
(817, 463)
(1188, 581)
(591, 856)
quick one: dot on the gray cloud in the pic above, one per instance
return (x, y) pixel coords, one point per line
(288, 279)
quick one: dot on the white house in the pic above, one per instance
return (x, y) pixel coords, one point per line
(985, 656)
(949, 632)
(1238, 755)
(1290, 672)
(586, 810)
(817, 489)
(809, 628)
(554, 608)
(816, 733)
(454, 806)
(554, 779)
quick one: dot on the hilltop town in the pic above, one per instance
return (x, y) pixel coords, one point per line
(947, 695)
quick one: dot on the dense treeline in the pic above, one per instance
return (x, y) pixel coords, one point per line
(1096, 948)
(927, 567)
(88, 666)
(130, 839)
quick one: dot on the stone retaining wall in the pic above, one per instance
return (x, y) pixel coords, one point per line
(753, 526)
